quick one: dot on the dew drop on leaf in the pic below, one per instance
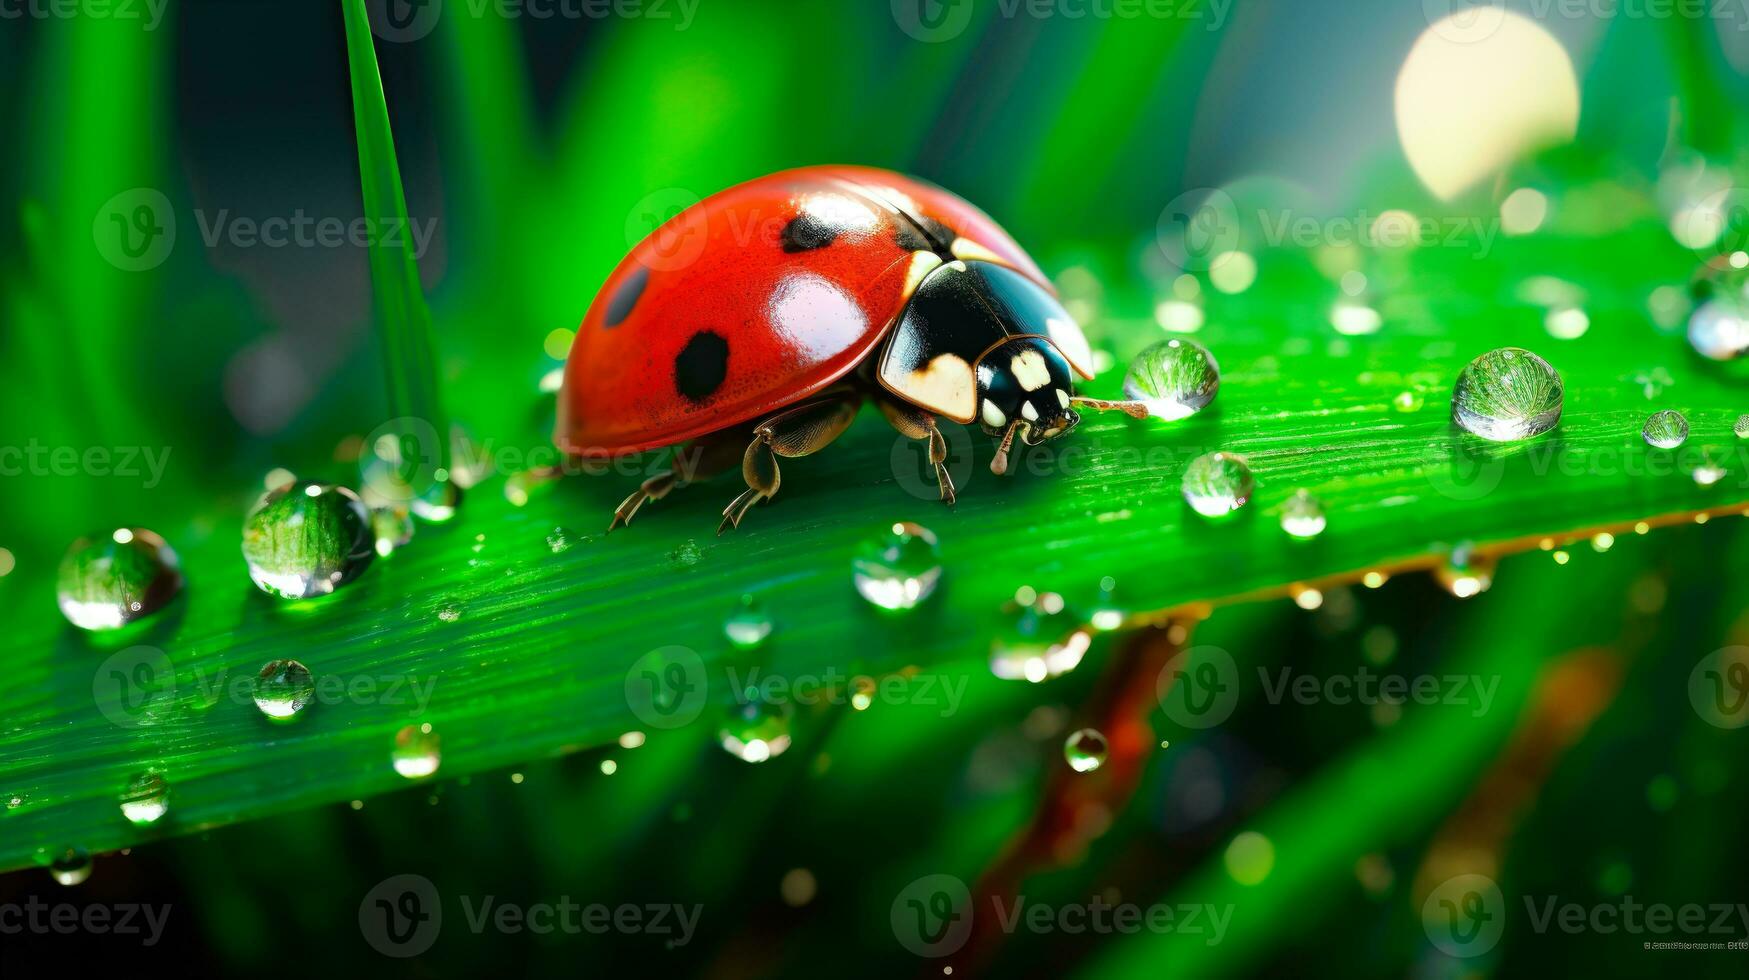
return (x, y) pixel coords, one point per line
(749, 625)
(71, 865)
(1175, 379)
(1041, 640)
(1217, 484)
(558, 540)
(1302, 516)
(1717, 329)
(307, 539)
(1085, 750)
(755, 731)
(1507, 394)
(392, 527)
(107, 582)
(899, 568)
(1665, 430)
(1465, 574)
(417, 752)
(146, 799)
(1742, 427)
(283, 689)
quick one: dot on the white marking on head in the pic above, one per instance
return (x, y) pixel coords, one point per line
(1030, 370)
(1062, 398)
(1028, 412)
(993, 416)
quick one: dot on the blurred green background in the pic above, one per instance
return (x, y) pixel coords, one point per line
(536, 149)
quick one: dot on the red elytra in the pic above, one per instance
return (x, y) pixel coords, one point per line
(767, 298)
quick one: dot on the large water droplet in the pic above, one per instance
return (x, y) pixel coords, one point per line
(1665, 430)
(283, 688)
(146, 798)
(108, 582)
(749, 625)
(1175, 378)
(1507, 394)
(899, 569)
(1302, 516)
(756, 731)
(417, 752)
(307, 539)
(1043, 639)
(1085, 750)
(1718, 329)
(1217, 484)
(71, 866)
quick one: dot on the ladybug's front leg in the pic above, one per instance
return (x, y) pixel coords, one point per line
(798, 431)
(914, 423)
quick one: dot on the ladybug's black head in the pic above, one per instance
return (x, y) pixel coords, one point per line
(1025, 386)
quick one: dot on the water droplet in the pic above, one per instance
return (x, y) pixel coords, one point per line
(417, 752)
(307, 539)
(686, 554)
(1464, 573)
(899, 569)
(1708, 471)
(1217, 484)
(1042, 640)
(1718, 330)
(71, 866)
(558, 540)
(438, 503)
(522, 486)
(1742, 427)
(1407, 401)
(1175, 378)
(1665, 430)
(1108, 611)
(756, 731)
(1085, 750)
(146, 798)
(450, 613)
(107, 582)
(16, 800)
(283, 688)
(1302, 516)
(393, 528)
(749, 625)
(1507, 394)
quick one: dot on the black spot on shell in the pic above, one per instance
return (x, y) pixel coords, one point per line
(626, 297)
(806, 232)
(701, 365)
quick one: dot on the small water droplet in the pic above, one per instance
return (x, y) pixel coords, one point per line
(1302, 516)
(16, 800)
(71, 866)
(686, 554)
(1742, 427)
(449, 613)
(1708, 471)
(1108, 610)
(558, 540)
(1175, 378)
(898, 569)
(756, 731)
(393, 528)
(417, 752)
(146, 798)
(107, 582)
(1464, 573)
(283, 688)
(1665, 430)
(1217, 484)
(1717, 329)
(307, 539)
(1085, 750)
(1407, 401)
(1043, 639)
(1506, 395)
(749, 625)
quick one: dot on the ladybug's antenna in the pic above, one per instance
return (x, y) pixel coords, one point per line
(999, 465)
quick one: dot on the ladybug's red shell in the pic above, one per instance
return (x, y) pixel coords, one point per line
(754, 299)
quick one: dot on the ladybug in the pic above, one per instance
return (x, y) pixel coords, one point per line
(752, 326)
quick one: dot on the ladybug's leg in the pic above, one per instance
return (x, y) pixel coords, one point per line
(799, 431)
(914, 423)
(699, 459)
(1135, 410)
